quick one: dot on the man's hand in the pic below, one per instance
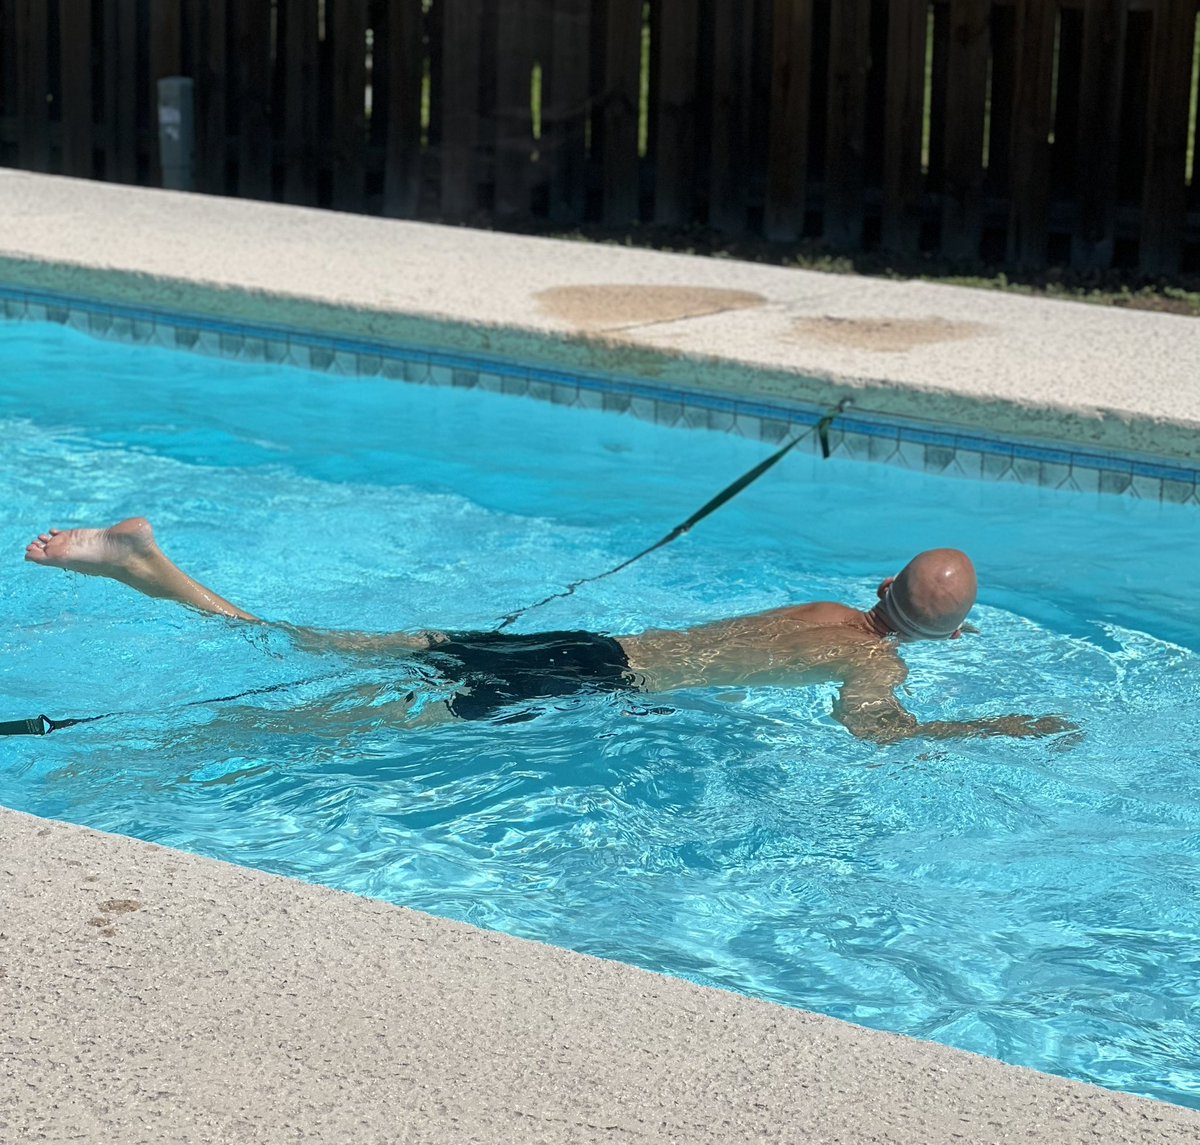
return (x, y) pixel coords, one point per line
(1030, 727)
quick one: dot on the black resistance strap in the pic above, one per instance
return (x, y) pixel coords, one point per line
(44, 725)
(727, 494)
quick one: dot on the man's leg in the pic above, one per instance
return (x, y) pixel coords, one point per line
(129, 553)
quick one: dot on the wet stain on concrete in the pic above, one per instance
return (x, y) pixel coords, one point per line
(617, 305)
(120, 906)
(883, 335)
(103, 923)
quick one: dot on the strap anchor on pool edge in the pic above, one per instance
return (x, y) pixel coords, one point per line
(726, 494)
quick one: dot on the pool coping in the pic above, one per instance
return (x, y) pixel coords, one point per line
(105, 1050)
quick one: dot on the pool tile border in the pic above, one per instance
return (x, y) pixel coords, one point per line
(855, 435)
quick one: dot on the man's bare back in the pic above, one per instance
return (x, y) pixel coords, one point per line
(823, 642)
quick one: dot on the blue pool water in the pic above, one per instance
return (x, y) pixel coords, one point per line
(1033, 901)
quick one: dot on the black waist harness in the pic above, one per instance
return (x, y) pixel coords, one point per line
(497, 669)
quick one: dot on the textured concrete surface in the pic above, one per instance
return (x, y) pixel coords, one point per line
(149, 996)
(1060, 370)
(152, 997)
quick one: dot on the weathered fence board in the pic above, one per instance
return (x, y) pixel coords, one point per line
(849, 59)
(513, 114)
(1164, 201)
(966, 97)
(567, 109)
(1101, 76)
(787, 155)
(121, 87)
(166, 59)
(728, 152)
(618, 112)
(1029, 159)
(459, 91)
(33, 86)
(78, 133)
(1031, 131)
(210, 58)
(346, 30)
(908, 22)
(404, 58)
(299, 76)
(675, 107)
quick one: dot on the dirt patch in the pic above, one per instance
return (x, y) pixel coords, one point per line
(884, 335)
(608, 306)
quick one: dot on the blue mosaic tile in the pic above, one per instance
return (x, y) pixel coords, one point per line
(274, 351)
(642, 407)
(491, 382)
(439, 374)
(775, 430)
(254, 350)
(885, 449)
(668, 412)
(416, 370)
(910, 454)
(748, 425)
(1145, 487)
(1085, 478)
(967, 463)
(722, 420)
(1026, 470)
(1113, 481)
(852, 446)
(1178, 492)
(1054, 474)
(938, 458)
(590, 399)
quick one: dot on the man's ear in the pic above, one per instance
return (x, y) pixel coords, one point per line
(956, 634)
(884, 585)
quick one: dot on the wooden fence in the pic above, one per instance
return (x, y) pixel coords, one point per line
(1021, 132)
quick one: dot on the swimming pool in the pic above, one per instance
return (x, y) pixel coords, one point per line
(1025, 900)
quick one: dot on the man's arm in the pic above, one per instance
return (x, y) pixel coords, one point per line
(868, 707)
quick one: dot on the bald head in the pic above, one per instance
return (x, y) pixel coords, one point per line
(931, 596)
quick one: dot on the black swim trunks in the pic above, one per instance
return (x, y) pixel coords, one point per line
(498, 669)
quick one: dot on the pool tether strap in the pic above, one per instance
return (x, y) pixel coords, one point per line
(726, 494)
(44, 725)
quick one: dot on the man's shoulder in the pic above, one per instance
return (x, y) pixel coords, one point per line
(818, 614)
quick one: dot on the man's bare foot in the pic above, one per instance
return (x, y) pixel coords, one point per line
(127, 549)
(129, 553)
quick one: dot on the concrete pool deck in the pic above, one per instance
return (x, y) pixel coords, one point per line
(159, 997)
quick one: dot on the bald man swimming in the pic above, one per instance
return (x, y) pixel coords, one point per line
(495, 673)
